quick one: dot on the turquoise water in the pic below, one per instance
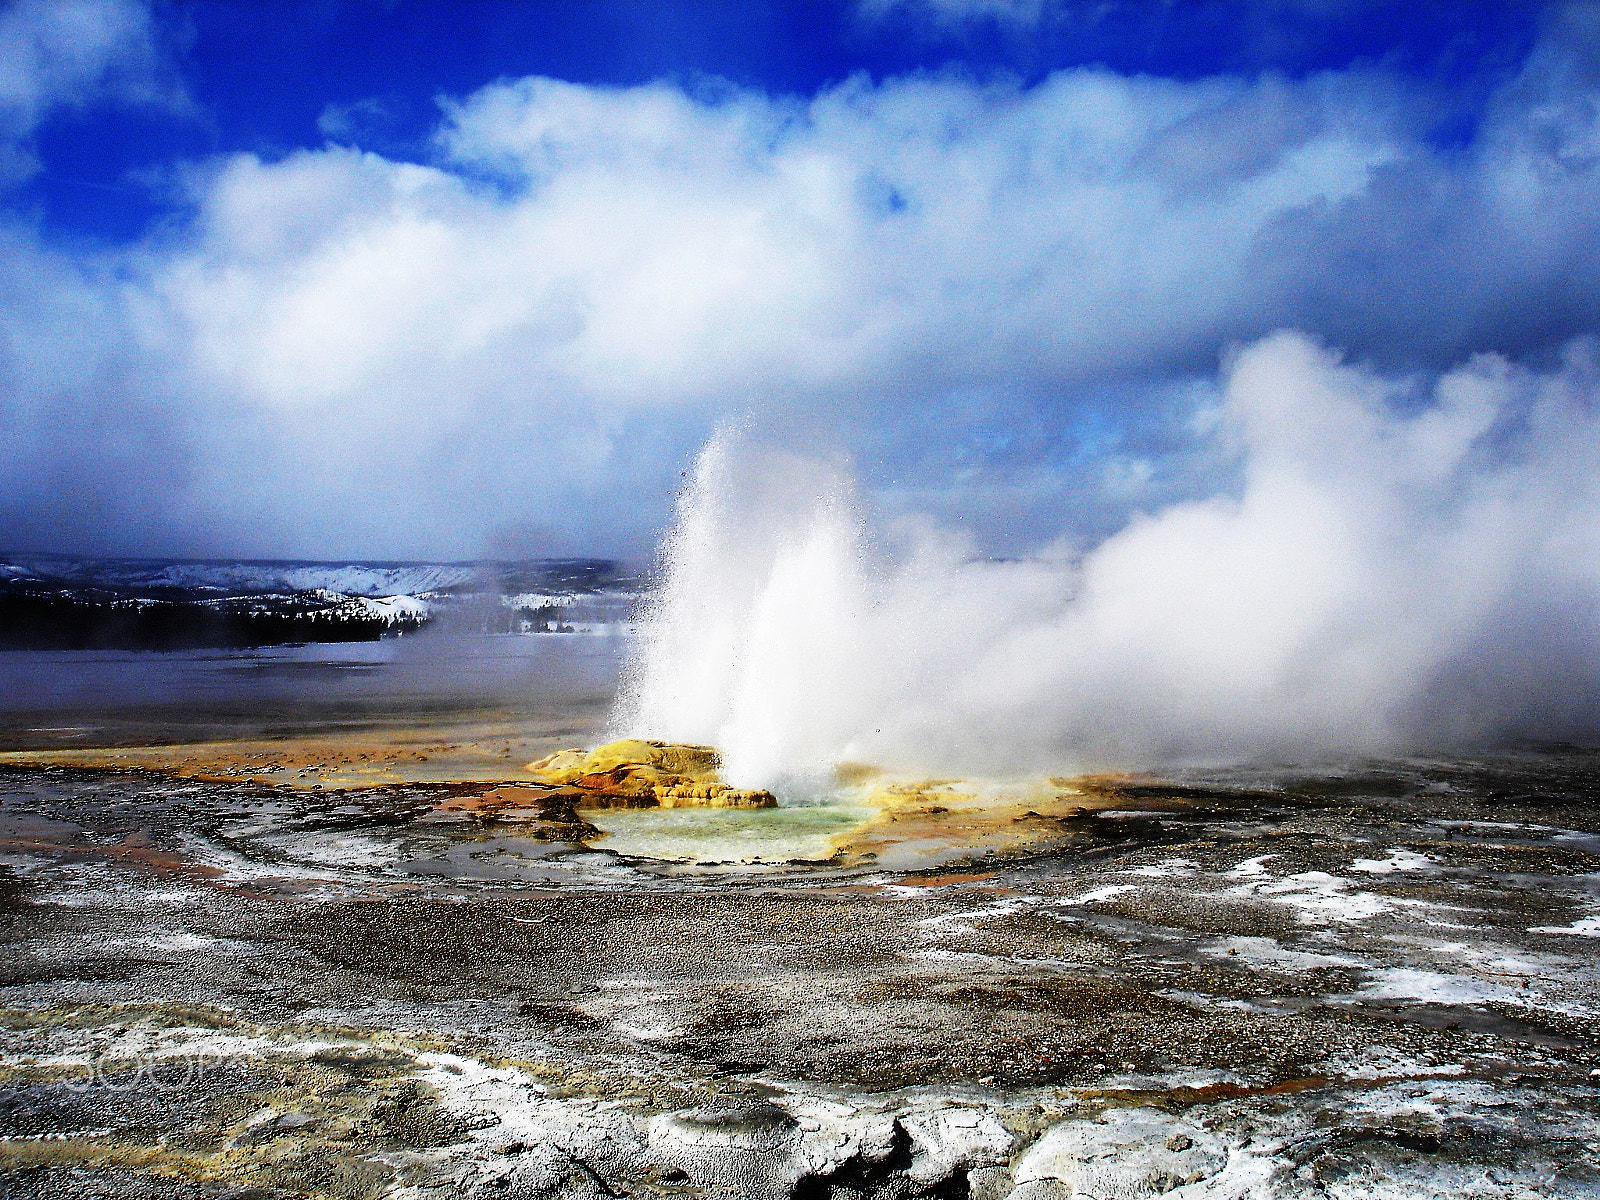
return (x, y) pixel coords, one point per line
(707, 835)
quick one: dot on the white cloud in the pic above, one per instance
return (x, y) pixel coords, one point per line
(58, 54)
(358, 355)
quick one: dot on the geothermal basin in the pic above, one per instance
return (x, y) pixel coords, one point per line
(300, 954)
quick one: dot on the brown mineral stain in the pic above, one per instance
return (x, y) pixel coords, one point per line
(935, 881)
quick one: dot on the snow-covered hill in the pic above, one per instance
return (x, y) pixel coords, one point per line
(49, 600)
(346, 578)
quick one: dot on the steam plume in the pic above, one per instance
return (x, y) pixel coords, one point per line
(1386, 573)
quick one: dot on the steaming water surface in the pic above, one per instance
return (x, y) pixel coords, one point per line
(793, 832)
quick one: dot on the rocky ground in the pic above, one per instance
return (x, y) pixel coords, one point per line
(1370, 981)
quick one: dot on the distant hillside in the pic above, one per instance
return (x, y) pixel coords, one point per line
(58, 602)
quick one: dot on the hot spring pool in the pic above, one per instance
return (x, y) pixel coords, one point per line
(707, 835)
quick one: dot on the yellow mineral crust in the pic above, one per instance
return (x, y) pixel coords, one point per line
(634, 773)
(925, 822)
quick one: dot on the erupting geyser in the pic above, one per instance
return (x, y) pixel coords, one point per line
(755, 640)
(1380, 575)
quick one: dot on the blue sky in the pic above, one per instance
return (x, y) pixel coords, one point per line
(407, 279)
(261, 78)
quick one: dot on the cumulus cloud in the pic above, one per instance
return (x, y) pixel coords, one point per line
(989, 290)
(1394, 572)
(64, 54)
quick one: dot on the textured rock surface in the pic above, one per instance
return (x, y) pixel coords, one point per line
(1372, 983)
(548, 812)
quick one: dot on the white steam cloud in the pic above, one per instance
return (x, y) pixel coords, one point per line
(1394, 569)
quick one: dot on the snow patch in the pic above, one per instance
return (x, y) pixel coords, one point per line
(1317, 897)
(1399, 860)
(1108, 892)
(1433, 987)
(1588, 927)
(1267, 952)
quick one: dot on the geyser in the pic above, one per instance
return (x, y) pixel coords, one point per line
(1382, 575)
